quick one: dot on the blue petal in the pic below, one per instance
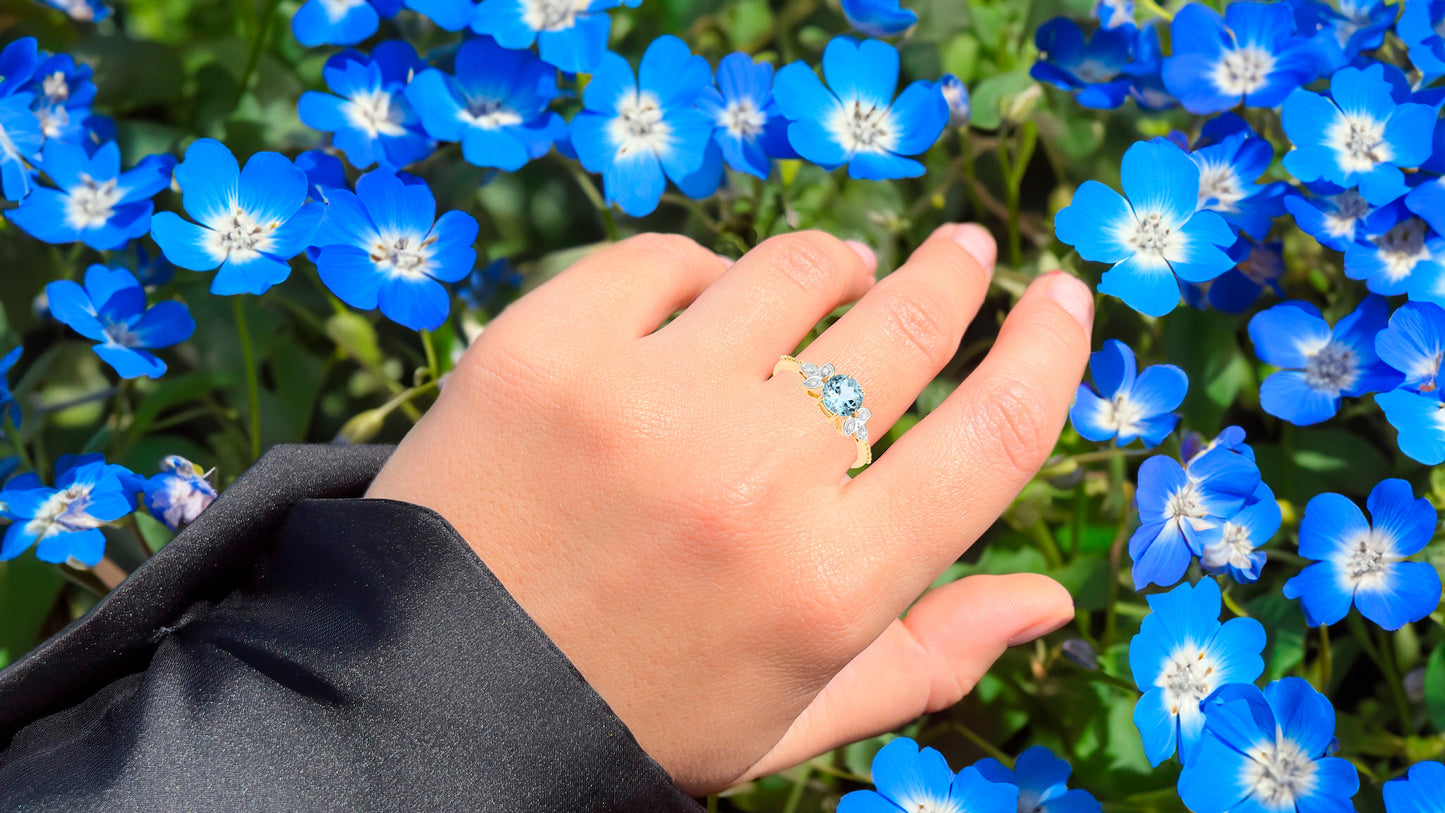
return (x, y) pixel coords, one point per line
(349, 273)
(1091, 222)
(1286, 395)
(405, 209)
(271, 187)
(863, 801)
(866, 72)
(670, 71)
(1420, 422)
(254, 276)
(691, 136)
(1212, 780)
(577, 49)
(297, 233)
(449, 15)
(922, 112)
(1150, 288)
(901, 771)
(71, 305)
(1411, 591)
(1287, 335)
(419, 303)
(1408, 521)
(1161, 178)
(801, 95)
(592, 141)
(1202, 257)
(1321, 595)
(453, 238)
(878, 18)
(129, 362)
(165, 324)
(1092, 416)
(314, 26)
(503, 20)
(1113, 368)
(635, 183)
(881, 166)
(183, 243)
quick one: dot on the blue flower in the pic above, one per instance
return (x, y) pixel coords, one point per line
(1145, 71)
(855, 120)
(84, 11)
(384, 247)
(1231, 548)
(63, 95)
(1192, 444)
(1362, 563)
(1318, 365)
(367, 112)
(20, 133)
(495, 105)
(324, 172)
(1419, 792)
(179, 493)
(93, 201)
(1093, 69)
(1179, 505)
(1250, 56)
(483, 284)
(340, 22)
(1114, 13)
(1407, 259)
(1231, 159)
(1180, 656)
(1123, 404)
(639, 131)
(64, 522)
(1419, 28)
(1156, 236)
(1338, 218)
(747, 125)
(1236, 290)
(1427, 200)
(1042, 780)
(251, 221)
(955, 92)
(1362, 134)
(911, 779)
(1265, 751)
(1344, 29)
(570, 34)
(111, 310)
(878, 18)
(9, 407)
(449, 15)
(1414, 344)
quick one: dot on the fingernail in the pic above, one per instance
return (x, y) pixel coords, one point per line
(869, 258)
(726, 260)
(977, 241)
(1041, 629)
(1073, 296)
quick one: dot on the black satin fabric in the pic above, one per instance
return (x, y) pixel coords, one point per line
(299, 648)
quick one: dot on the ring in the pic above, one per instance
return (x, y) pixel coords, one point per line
(840, 397)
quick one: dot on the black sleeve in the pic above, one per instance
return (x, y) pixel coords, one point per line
(298, 648)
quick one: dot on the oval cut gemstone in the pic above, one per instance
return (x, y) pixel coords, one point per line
(842, 395)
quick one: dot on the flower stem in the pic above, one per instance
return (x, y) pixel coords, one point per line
(1325, 658)
(800, 784)
(589, 188)
(253, 378)
(1396, 685)
(13, 433)
(258, 44)
(983, 744)
(1048, 545)
(431, 355)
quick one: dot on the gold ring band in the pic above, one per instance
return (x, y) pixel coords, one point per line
(842, 393)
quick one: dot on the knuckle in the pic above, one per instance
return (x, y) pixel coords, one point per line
(663, 250)
(812, 261)
(1014, 421)
(923, 319)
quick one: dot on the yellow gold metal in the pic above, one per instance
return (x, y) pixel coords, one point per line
(865, 451)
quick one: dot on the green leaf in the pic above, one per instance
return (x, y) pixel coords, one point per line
(172, 392)
(28, 589)
(1435, 688)
(994, 95)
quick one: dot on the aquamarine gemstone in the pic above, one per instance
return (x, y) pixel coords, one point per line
(842, 395)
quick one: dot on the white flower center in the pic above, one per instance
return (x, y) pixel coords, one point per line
(1218, 183)
(120, 333)
(1232, 550)
(1188, 676)
(552, 15)
(1279, 773)
(91, 203)
(929, 804)
(860, 127)
(372, 112)
(1358, 141)
(1094, 72)
(1349, 209)
(1030, 801)
(742, 119)
(1402, 248)
(239, 237)
(1365, 559)
(337, 9)
(1243, 71)
(638, 127)
(53, 120)
(1332, 368)
(1152, 238)
(78, 10)
(1123, 414)
(55, 88)
(489, 114)
(401, 255)
(62, 512)
(1186, 504)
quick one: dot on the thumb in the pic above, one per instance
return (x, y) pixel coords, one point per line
(923, 663)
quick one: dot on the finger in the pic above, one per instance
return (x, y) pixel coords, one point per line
(924, 663)
(630, 287)
(908, 326)
(964, 463)
(768, 301)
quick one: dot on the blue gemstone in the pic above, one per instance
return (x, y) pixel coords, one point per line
(842, 395)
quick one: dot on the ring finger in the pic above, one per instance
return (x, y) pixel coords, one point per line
(907, 327)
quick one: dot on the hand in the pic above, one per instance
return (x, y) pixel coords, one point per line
(682, 524)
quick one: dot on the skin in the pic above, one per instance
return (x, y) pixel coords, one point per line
(682, 524)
